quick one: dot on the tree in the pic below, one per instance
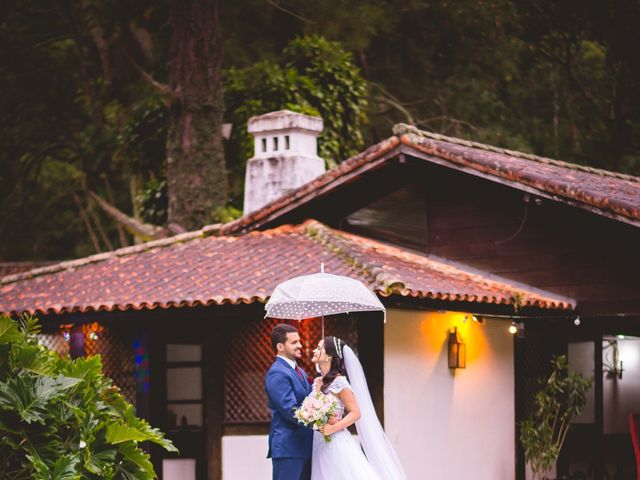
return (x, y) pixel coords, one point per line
(89, 91)
(197, 182)
(62, 418)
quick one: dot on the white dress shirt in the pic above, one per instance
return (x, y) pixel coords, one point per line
(291, 363)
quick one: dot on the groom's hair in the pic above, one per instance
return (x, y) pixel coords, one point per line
(279, 334)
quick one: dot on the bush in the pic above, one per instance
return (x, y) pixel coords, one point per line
(561, 397)
(62, 419)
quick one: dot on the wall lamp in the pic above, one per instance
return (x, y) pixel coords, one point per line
(612, 366)
(457, 350)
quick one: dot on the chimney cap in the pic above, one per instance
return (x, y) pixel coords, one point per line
(284, 120)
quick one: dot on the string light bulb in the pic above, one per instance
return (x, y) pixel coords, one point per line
(577, 322)
(473, 317)
(513, 329)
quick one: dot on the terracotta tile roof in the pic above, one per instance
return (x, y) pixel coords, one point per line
(201, 269)
(607, 193)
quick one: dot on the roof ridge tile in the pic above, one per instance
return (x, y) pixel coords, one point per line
(404, 129)
(342, 247)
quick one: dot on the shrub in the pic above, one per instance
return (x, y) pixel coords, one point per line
(62, 419)
(561, 397)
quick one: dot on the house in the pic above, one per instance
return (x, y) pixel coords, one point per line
(450, 234)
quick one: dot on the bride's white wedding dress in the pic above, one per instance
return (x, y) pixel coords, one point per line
(342, 457)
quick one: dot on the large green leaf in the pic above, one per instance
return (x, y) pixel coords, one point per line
(153, 434)
(29, 357)
(125, 410)
(65, 468)
(87, 369)
(9, 332)
(100, 462)
(40, 468)
(137, 464)
(28, 395)
(120, 433)
(49, 387)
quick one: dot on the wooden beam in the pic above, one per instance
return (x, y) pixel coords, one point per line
(214, 349)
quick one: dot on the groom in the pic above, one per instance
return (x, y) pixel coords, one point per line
(286, 383)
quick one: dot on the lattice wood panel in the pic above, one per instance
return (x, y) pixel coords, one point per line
(54, 342)
(250, 356)
(116, 350)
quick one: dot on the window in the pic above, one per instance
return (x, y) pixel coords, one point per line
(184, 386)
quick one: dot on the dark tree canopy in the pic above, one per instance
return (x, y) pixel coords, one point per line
(85, 84)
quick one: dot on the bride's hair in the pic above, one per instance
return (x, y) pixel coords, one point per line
(333, 346)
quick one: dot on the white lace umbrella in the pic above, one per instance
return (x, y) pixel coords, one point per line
(320, 294)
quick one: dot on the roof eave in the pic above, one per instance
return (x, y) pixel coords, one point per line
(410, 148)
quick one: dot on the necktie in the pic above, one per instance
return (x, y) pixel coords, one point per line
(299, 372)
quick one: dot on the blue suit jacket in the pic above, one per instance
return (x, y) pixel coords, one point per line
(286, 391)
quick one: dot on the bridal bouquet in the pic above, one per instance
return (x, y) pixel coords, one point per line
(315, 411)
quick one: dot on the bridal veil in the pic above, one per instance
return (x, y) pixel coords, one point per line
(374, 441)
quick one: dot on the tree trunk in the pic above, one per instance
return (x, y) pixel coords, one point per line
(197, 180)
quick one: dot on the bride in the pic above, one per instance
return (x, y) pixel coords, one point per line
(342, 458)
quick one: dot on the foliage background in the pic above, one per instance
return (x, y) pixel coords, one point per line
(559, 79)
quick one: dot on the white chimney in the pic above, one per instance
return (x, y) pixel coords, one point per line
(285, 156)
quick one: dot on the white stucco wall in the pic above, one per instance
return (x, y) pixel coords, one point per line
(245, 457)
(443, 424)
(621, 395)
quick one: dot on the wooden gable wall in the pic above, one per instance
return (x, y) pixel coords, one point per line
(545, 244)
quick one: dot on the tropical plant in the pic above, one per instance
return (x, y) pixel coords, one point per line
(62, 419)
(561, 397)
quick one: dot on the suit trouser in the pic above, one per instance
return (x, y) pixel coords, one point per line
(291, 468)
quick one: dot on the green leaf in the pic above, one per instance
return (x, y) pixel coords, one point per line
(136, 462)
(29, 357)
(29, 325)
(65, 468)
(87, 369)
(562, 395)
(119, 433)
(9, 332)
(29, 396)
(100, 462)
